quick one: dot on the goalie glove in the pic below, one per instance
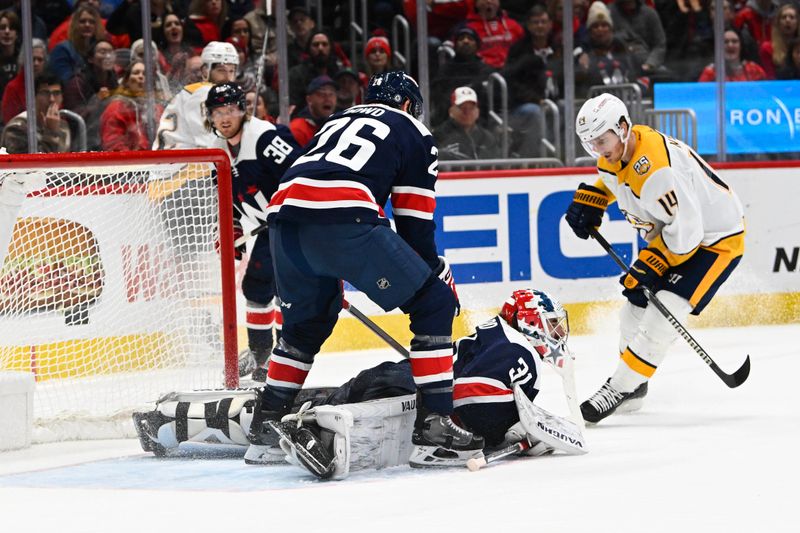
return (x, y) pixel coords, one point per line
(445, 273)
(517, 433)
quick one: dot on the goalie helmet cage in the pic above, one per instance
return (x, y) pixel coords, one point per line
(113, 290)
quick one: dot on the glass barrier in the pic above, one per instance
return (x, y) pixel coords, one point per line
(500, 81)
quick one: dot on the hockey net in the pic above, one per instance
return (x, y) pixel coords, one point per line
(112, 291)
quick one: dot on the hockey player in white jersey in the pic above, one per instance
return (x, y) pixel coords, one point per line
(260, 153)
(182, 124)
(693, 224)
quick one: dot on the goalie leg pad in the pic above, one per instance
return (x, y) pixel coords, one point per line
(304, 446)
(542, 426)
(210, 416)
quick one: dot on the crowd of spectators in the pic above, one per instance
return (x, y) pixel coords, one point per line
(87, 58)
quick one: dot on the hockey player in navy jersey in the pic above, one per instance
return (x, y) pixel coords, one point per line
(327, 224)
(366, 422)
(260, 153)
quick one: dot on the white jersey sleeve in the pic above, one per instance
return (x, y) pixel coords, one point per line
(182, 125)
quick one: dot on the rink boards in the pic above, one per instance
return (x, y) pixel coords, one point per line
(505, 230)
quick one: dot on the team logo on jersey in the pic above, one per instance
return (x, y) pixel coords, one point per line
(642, 166)
(638, 223)
(383, 284)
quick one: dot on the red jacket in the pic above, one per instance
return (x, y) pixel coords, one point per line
(760, 26)
(497, 36)
(122, 128)
(443, 15)
(748, 72)
(14, 97)
(303, 127)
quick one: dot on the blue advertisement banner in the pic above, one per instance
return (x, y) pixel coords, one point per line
(761, 116)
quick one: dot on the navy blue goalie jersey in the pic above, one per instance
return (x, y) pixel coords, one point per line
(264, 154)
(356, 161)
(487, 365)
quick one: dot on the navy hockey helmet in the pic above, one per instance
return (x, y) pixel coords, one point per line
(393, 88)
(224, 94)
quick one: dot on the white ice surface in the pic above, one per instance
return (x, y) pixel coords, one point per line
(698, 457)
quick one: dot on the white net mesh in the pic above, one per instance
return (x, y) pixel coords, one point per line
(110, 293)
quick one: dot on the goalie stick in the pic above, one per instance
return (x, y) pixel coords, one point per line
(476, 463)
(731, 380)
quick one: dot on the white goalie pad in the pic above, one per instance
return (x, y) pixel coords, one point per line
(557, 432)
(368, 435)
(209, 416)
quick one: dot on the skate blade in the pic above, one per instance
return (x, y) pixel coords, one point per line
(630, 406)
(264, 455)
(436, 457)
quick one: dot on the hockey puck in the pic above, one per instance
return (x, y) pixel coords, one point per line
(475, 464)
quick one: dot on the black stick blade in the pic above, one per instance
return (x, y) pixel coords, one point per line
(738, 377)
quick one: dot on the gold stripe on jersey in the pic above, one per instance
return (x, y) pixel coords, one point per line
(674, 259)
(193, 87)
(727, 249)
(650, 155)
(637, 364)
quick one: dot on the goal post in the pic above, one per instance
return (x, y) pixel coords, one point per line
(118, 284)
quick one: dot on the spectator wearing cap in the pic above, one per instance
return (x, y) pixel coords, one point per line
(320, 104)
(377, 56)
(604, 59)
(496, 30)
(350, 88)
(460, 137)
(321, 62)
(466, 68)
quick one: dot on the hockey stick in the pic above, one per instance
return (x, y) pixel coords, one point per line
(347, 306)
(476, 464)
(250, 234)
(375, 328)
(731, 380)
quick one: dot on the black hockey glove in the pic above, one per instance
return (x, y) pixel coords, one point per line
(646, 271)
(586, 210)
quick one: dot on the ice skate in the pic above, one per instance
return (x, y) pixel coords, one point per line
(608, 400)
(264, 446)
(439, 442)
(253, 364)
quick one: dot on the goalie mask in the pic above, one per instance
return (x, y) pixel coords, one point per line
(539, 317)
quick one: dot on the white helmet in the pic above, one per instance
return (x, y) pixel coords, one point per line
(597, 116)
(219, 52)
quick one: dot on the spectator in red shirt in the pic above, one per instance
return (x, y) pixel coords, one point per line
(61, 32)
(757, 17)
(14, 95)
(785, 27)
(496, 30)
(205, 20)
(320, 104)
(443, 15)
(123, 124)
(736, 69)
